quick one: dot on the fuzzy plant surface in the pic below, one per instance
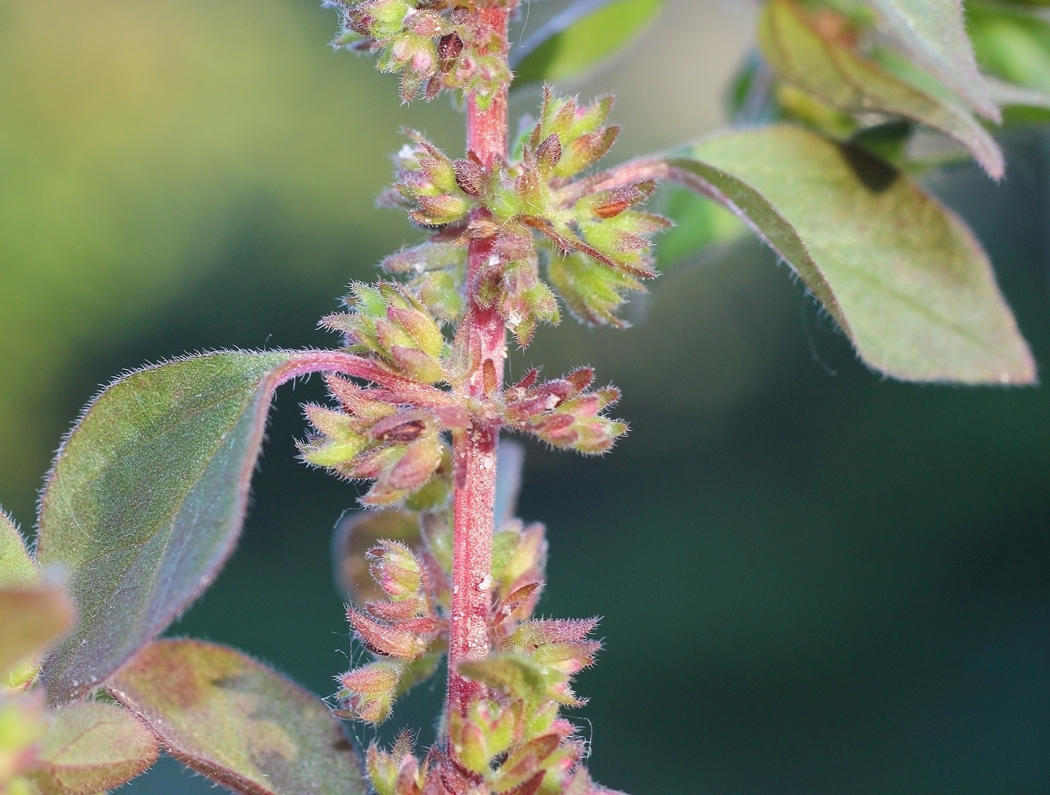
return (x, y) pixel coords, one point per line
(843, 106)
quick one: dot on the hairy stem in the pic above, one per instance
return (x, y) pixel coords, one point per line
(475, 448)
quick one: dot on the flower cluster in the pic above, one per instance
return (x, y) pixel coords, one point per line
(563, 413)
(405, 631)
(398, 447)
(593, 238)
(396, 439)
(434, 44)
(510, 738)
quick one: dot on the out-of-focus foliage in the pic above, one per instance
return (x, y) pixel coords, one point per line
(580, 37)
(139, 144)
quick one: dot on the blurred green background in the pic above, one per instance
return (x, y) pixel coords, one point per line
(812, 580)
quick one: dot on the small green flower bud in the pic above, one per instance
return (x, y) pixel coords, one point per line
(417, 365)
(396, 570)
(472, 749)
(421, 327)
(387, 18)
(383, 769)
(592, 291)
(585, 151)
(441, 294)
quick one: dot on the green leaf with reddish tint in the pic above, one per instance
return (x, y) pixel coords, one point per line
(146, 500)
(903, 275)
(16, 566)
(934, 33)
(826, 64)
(31, 619)
(91, 747)
(237, 722)
(582, 35)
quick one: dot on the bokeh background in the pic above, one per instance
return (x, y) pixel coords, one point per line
(812, 580)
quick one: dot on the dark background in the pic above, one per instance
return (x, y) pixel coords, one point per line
(812, 580)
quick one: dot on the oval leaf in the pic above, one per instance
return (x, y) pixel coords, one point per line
(92, 747)
(146, 500)
(238, 722)
(934, 32)
(147, 495)
(576, 39)
(901, 274)
(16, 566)
(831, 69)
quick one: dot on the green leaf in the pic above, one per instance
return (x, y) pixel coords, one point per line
(146, 500)
(832, 70)
(237, 722)
(699, 223)
(585, 33)
(934, 33)
(1015, 45)
(91, 747)
(31, 619)
(16, 567)
(903, 276)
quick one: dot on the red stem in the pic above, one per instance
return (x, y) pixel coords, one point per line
(475, 449)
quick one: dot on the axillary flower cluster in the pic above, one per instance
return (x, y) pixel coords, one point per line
(510, 231)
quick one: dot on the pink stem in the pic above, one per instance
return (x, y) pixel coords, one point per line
(475, 448)
(396, 388)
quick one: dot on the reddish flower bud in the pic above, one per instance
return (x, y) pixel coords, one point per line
(530, 787)
(548, 153)
(368, 692)
(387, 640)
(396, 612)
(448, 49)
(417, 465)
(471, 177)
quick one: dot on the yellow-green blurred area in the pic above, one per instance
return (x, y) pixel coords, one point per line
(812, 580)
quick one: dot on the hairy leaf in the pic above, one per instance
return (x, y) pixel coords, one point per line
(31, 619)
(91, 747)
(902, 275)
(147, 497)
(16, 567)
(934, 32)
(830, 68)
(145, 502)
(238, 722)
(579, 37)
